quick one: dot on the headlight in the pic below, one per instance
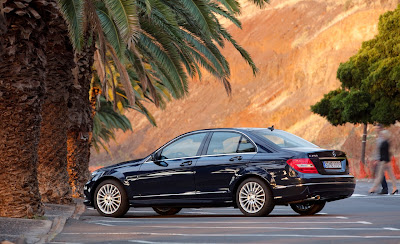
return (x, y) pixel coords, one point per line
(96, 174)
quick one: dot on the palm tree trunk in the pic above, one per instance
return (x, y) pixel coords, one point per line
(81, 122)
(52, 167)
(22, 76)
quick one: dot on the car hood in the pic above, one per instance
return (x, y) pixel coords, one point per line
(123, 164)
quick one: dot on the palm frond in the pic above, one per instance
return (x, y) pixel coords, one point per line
(73, 13)
(111, 30)
(232, 6)
(218, 10)
(246, 56)
(125, 16)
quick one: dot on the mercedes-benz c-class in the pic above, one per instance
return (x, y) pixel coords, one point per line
(252, 169)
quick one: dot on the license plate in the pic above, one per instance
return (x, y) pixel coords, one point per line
(332, 164)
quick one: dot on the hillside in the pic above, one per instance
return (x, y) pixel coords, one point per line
(297, 46)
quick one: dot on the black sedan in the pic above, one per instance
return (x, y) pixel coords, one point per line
(253, 169)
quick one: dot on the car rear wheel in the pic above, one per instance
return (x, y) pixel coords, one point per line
(308, 208)
(166, 210)
(111, 199)
(254, 198)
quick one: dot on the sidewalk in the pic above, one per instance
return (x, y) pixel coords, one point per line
(16, 230)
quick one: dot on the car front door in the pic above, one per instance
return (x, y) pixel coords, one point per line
(226, 154)
(170, 175)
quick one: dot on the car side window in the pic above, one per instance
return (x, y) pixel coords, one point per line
(227, 143)
(245, 146)
(187, 146)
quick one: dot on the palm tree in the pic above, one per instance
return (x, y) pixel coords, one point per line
(52, 165)
(23, 38)
(175, 37)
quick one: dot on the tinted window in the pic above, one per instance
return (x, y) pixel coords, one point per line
(228, 142)
(187, 146)
(245, 146)
(283, 139)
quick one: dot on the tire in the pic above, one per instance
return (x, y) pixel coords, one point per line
(308, 208)
(166, 210)
(110, 199)
(254, 198)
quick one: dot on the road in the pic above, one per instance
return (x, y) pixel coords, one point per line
(359, 219)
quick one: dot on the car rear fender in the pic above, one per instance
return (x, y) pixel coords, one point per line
(248, 173)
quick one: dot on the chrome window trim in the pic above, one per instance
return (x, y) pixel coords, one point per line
(197, 157)
(206, 131)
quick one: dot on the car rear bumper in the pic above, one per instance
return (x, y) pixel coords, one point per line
(325, 188)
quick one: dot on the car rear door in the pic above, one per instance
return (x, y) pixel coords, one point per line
(225, 153)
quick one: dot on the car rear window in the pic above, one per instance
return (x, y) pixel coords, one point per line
(283, 139)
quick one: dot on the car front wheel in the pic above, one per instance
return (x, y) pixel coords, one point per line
(254, 198)
(111, 199)
(308, 208)
(166, 210)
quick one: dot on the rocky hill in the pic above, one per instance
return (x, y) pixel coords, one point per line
(297, 46)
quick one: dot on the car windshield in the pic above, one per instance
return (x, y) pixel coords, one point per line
(283, 139)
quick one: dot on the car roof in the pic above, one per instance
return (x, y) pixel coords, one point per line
(242, 129)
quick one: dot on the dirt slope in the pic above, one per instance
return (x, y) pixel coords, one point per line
(297, 45)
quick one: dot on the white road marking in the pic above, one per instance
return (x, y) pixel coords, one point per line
(185, 212)
(232, 235)
(365, 222)
(391, 228)
(381, 196)
(163, 242)
(103, 224)
(241, 222)
(268, 227)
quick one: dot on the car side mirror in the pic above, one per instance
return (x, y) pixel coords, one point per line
(156, 156)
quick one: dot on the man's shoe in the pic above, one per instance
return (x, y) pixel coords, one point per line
(383, 192)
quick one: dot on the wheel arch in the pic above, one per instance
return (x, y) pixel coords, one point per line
(99, 181)
(236, 182)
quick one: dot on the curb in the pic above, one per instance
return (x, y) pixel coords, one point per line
(59, 222)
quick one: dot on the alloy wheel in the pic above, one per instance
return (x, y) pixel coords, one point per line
(252, 197)
(108, 199)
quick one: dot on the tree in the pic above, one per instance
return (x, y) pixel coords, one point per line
(169, 41)
(23, 38)
(52, 165)
(370, 80)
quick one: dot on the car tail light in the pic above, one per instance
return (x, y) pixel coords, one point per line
(303, 165)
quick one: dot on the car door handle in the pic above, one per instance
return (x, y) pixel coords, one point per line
(186, 163)
(237, 157)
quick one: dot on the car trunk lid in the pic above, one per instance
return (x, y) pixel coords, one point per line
(330, 162)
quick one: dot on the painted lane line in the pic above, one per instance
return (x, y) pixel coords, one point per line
(365, 222)
(163, 242)
(268, 227)
(232, 235)
(103, 224)
(184, 212)
(391, 228)
(242, 222)
(57, 242)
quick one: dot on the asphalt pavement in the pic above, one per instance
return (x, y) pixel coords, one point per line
(360, 219)
(363, 218)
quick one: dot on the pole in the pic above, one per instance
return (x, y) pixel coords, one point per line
(364, 143)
